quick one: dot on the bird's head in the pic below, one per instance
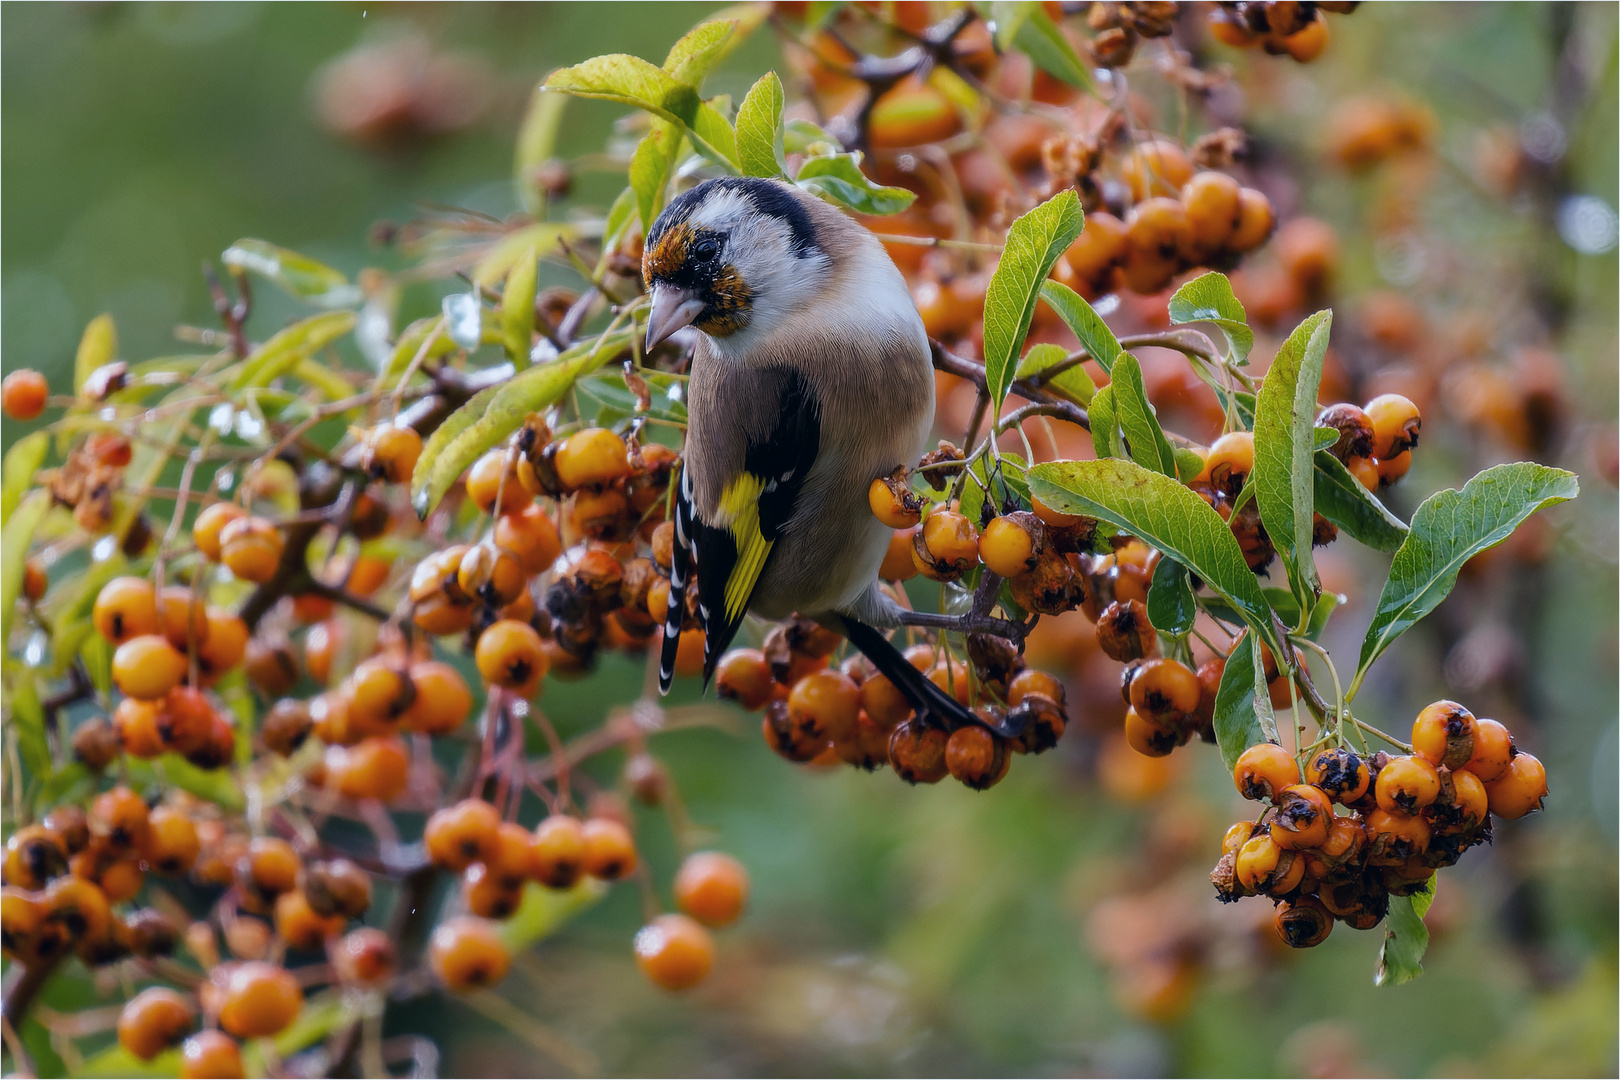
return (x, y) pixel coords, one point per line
(732, 257)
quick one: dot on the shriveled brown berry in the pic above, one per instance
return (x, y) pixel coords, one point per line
(1354, 427)
(917, 753)
(1124, 632)
(1303, 922)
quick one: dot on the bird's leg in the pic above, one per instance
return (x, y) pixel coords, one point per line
(977, 620)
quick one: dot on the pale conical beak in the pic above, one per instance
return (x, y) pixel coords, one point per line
(672, 309)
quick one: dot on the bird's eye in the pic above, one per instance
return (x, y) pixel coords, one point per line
(706, 249)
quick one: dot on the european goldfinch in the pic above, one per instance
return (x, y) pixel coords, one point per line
(810, 377)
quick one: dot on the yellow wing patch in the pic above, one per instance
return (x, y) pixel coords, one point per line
(739, 513)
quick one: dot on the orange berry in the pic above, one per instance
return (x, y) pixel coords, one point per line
(211, 1055)
(1157, 229)
(1229, 462)
(251, 548)
(171, 845)
(459, 835)
(1100, 247)
(1340, 773)
(509, 654)
(23, 394)
(1394, 837)
(1255, 219)
(270, 867)
(1393, 469)
(301, 926)
(743, 676)
(674, 951)
(467, 953)
(976, 756)
(912, 113)
(917, 753)
(225, 646)
(531, 535)
(712, 888)
(1148, 738)
(373, 768)
(610, 851)
(1263, 866)
(1303, 922)
(1520, 789)
(591, 457)
(1213, 202)
(1467, 803)
(487, 895)
(126, 607)
(78, 907)
(1406, 785)
(1263, 770)
(1164, 691)
(1493, 750)
(1443, 734)
(558, 851)
(364, 957)
(1124, 632)
(893, 503)
(495, 475)
(825, 705)
(1012, 543)
(154, 1020)
(259, 999)
(120, 818)
(36, 579)
(1365, 470)
(1309, 250)
(379, 692)
(1396, 425)
(389, 453)
(897, 563)
(1304, 816)
(443, 700)
(210, 523)
(946, 547)
(34, 855)
(1156, 167)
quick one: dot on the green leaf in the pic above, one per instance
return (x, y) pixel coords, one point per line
(1043, 41)
(410, 342)
(1450, 528)
(1284, 442)
(1005, 483)
(1076, 311)
(1209, 298)
(1033, 244)
(1144, 438)
(98, 345)
(1326, 604)
(1324, 437)
(22, 461)
(798, 136)
(1072, 382)
(1341, 499)
(494, 413)
(1188, 464)
(1406, 938)
(542, 912)
(620, 214)
(759, 129)
(543, 238)
(821, 12)
(692, 57)
(19, 533)
(1242, 403)
(651, 166)
(517, 309)
(1239, 702)
(536, 142)
(1170, 603)
(28, 720)
(630, 80)
(282, 352)
(838, 178)
(1104, 423)
(296, 274)
(1166, 515)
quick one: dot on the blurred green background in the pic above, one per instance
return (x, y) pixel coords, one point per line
(932, 931)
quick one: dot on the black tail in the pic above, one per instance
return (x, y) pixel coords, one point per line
(680, 576)
(927, 698)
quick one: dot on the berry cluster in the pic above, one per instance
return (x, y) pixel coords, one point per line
(1408, 816)
(1281, 27)
(822, 714)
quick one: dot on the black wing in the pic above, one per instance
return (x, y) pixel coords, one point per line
(774, 471)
